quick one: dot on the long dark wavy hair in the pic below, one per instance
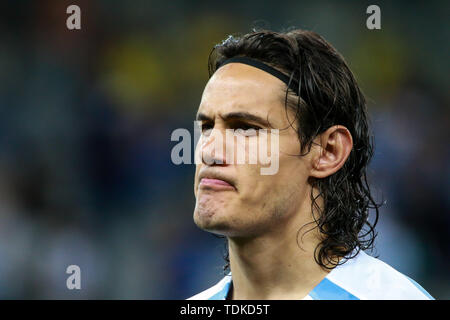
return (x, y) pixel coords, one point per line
(327, 95)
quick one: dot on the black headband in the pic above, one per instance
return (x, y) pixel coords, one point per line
(293, 84)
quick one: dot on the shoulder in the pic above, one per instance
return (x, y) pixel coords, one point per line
(367, 277)
(216, 292)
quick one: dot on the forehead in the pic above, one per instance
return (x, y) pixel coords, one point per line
(240, 87)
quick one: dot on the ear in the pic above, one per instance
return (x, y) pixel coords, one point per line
(336, 143)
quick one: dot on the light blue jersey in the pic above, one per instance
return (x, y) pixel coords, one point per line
(361, 278)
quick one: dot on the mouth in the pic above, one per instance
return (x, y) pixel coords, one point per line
(215, 182)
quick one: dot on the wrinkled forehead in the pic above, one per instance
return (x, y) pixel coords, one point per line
(237, 84)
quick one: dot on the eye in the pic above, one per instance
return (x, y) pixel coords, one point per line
(246, 129)
(206, 128)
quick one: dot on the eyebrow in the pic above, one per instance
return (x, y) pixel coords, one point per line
(241, 115)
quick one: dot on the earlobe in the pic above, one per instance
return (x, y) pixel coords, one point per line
(335, 146)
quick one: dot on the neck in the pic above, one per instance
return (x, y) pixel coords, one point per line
(276, 265)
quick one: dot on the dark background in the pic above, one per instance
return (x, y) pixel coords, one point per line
(86, 116)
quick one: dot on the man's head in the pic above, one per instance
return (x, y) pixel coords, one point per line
(324, 143)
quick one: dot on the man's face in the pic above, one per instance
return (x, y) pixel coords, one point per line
(250, 204)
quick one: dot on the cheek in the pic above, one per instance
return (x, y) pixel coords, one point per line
(256, 189)
(292, 183)
(293, 173)
(197, 170)
(197, 151)
(287, 185)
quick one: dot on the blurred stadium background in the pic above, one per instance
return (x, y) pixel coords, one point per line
(86, 118)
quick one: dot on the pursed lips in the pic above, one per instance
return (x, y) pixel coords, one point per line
(215, 182)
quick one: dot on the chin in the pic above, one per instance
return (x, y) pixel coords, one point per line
(211, 221)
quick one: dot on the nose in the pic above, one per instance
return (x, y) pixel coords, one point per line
(212, 148)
